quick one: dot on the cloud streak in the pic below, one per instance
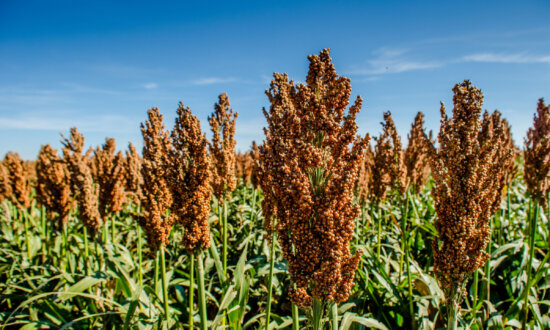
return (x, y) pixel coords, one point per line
(151, 85)
(392, 60)
(506, 58)
(101, 123)
(396, 60)
(213, 80)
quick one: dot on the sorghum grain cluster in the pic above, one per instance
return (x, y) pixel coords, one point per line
(307, 175)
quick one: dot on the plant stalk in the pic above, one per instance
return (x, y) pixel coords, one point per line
(140, 256)
(295, 317)
(317, 314)
(202, 293)
(379, 241)
(191, 289)
(334, 316)
(452, 321)
(474, 293)
(532, 234)
(407, 259)
(113, 231)
(164, 283)
(44, 234)
(156, 276)
(270, 281)
(27, 238)
(224, 207)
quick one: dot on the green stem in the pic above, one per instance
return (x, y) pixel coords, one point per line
(86, 249)
(532, 234)
(270, 281)
(408, 261)
(27, 238)
(140, 255)
(64, 253)
(113, 231)
(486, 289)
(508, 212)
(202, 293)
(224, 206)
(379, 241)
(334, 316)
(105, 231)
(452, 321)
(191, 289)
(474, 293)
(164, 283)
(156, 276)
(253, 208)
(317, 314)
(44, 233)
(295, 317)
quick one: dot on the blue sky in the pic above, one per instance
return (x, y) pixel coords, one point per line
(100, 66)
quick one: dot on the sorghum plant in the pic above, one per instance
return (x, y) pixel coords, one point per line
(495, 130)
(53, 189)
(388, 171)
(463, 168)
(82, 185)
(537, 178)
(222, 150)
(255, 155)
(416, 155)
(19, 181)
(308, 172)
(189, 180)
(108, 166)
(222, 147)
(244, 163)
(5, 187)
(132, 174)
(157, 197)
(362, 186)
(537, 155)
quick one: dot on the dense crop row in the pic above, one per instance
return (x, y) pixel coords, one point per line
(316, 227)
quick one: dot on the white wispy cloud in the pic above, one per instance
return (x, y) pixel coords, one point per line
(392, 60)
(98, 123)
(506, 58)
(213, 80)
(150, 85)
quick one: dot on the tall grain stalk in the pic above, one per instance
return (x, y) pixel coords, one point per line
(157, 197)
(307, 173)
(82, 185)
(471, 155)
(537, 177)
(189, 180)
(202, 292)
(108, 170)
(222, 150)
(20, 186)
(270, 281)
(53, 188)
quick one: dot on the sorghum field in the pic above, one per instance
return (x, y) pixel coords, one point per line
(314, 227)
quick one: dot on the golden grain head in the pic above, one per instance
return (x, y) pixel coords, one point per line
(157, 197)
(53, 189)
(222, 148)
(189, 180)
(537, 155)
(470, 156)
(82, 183)
(307, 173)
